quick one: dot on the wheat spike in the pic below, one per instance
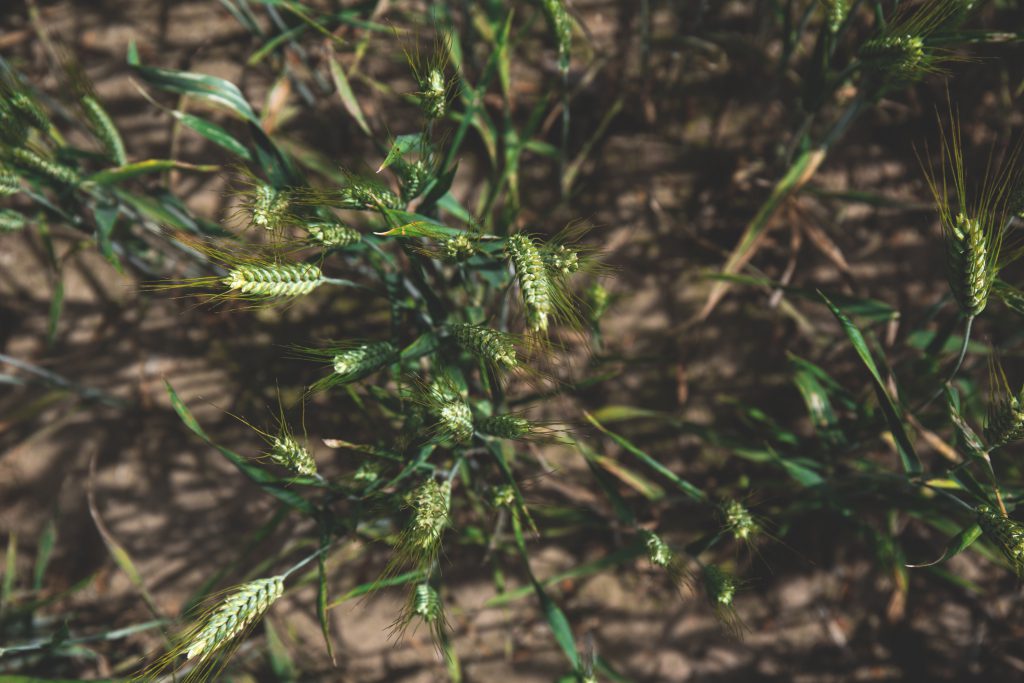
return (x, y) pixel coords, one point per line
(59, 172)
(275, 280)
(105, 130)
(9, 181)
(232, 617)
(333, 234)
(658, 552)
(534, 282)
(491, 346)
(286, 451)
(11, 220)
(505, 426)
(1007, 534)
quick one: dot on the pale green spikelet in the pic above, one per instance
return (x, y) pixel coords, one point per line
(658, 552)
(506, 426)
(835, 13)
(420, 541)
(457, 248)
(561, 25)
(503, 496)
(1004, 422)
(491, 346)
(286, 451)
(738, 520)
(29, 111)
(970, 272)
(455, 421)
(1006, 534)
(13, 130)
(426, 603)
(358, 362)
(234, 615)
(560, 260)
(104, 129)
(365, 195)
(901, 56)
(269, 207)
(52, 169)
(10, 183)
(269, 281)
(11, 220)
(903, 51)
(414, 176)
(333, 234)
(534, 281)
(433, 94)
(719, 585)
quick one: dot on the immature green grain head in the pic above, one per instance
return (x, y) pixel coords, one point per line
(534, 282)
(457, 248)
(597, 300)
(974, 224)
(1006, 534)
(26, 108)
(11, 220)
(561, 25)
(835, 13)
(494, 347)
(13, 130)
(104, 129)
(738, 521)
(332, 234)
(560, 260)
(905, 50)
(658, 551)
(269, 207)
(272, 281)
(1004, 422)
(414, 176)
(420, 541)
(286, 451)
(10, 183)
(720, 587)
(454, 417)
(506, 426)
(365, 195)
(32, 161)
(233, 617)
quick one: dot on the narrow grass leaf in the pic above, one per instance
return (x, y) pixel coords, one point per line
(348, 98)
(908, 456)
(278, 488)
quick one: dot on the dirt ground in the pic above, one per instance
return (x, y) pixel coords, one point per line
(672, 184)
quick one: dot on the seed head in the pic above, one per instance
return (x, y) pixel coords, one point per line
(506, 426)
(970, 265)
(287, 452)
(433, 93)
(105, 130)
(51, 169)
(26, 108)
(455, 421)
(274, 280)
(364, 195)
(430, 517)
(658, 551)
(426, 603)
(1004, 422)
(719, 585)
(739, 521)
(269, 207)
(534, 282)
(560, 260)
(358, 362)
(597, 299)
(835, 13)
(368, 472)
(561, 24)
(333, 234)
(899, 56)
(414, 176)
(11, 220)
(503, 496)
(457, 248)
(491, 346)
(234, 616)
(1007, 534)
(9, 181)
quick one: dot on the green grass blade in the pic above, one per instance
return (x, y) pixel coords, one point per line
(908, 456)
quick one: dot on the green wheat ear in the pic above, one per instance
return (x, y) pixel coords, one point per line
(233, 617)
(720, 587)
(333, 234)
(973, 224)
(1006, 534)
(904, 50)
(1004, 422)
(104, 129)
